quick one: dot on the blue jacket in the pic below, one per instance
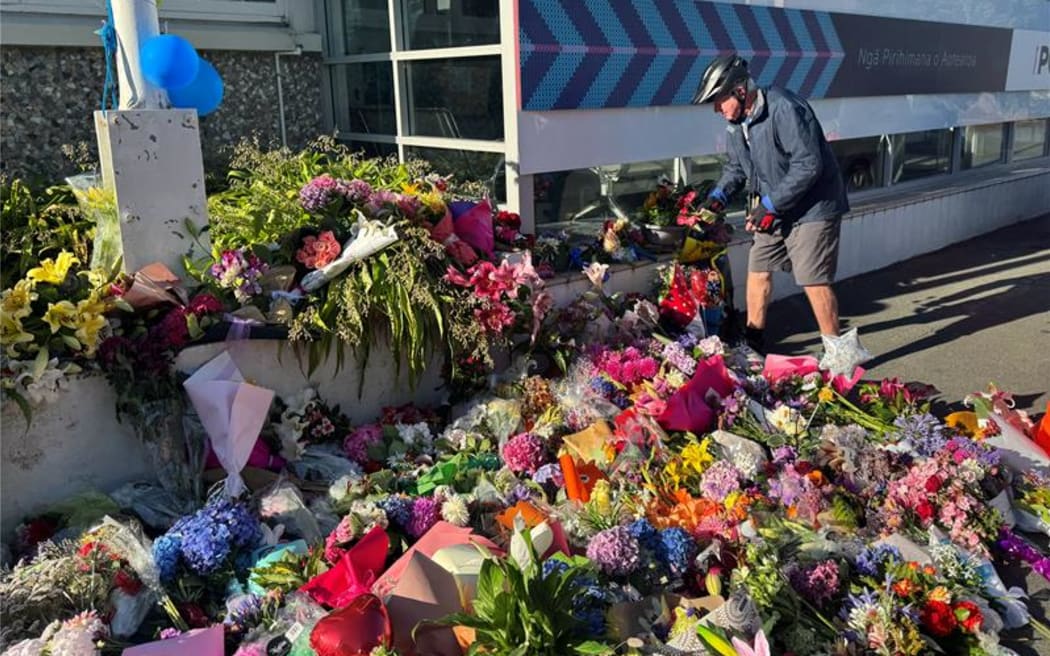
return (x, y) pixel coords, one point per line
(788, 161)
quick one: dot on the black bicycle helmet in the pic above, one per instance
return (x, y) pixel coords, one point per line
(722, 76)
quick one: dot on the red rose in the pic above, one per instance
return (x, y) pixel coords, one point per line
(194, 615)
(938, 618)
(933, 484)
(924, 510)
(969, 616)
(127, 583)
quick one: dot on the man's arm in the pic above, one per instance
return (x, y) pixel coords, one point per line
(799, 135)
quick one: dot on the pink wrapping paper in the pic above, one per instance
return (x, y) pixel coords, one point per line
(439, 536)
(199, 642)
(778, 367)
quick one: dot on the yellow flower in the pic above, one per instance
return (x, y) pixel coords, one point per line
(60, 314)
(93, 304)
(940, 593)
(965, 421)
(410, 188)
(53, 271)
(825, 395)
(88, 327)
(696, 456)
(600, 496)
(433, 202)
(12, 334)
(15, 301)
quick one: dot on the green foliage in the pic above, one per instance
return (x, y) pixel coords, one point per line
(290, 571)
(518, 611)
(37, 224)
(397, 296)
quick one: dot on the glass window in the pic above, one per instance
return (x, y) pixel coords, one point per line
(709, 167)
(449, 23)
(1029, 138)
(358, 26)
(860, 161)
(921, 154)
(585, 194)
(455, 98)
(466, 166)
(983, 145)
(364, 94)
(372, 148)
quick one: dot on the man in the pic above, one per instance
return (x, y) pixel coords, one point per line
(777, 145)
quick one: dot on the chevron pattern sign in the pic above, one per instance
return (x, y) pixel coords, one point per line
(593, 54)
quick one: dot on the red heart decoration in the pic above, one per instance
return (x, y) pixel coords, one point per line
(354, 630)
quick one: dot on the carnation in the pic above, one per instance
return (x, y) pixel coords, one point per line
(524, 452)
(615, 551)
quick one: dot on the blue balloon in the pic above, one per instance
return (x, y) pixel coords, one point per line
(203, 94)
(169, 61)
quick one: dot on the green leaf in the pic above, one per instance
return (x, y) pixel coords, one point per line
(594, 648)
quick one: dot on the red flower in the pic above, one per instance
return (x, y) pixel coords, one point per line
(969, 616)
(194, 615)
(938, 618)
(205, 303)
(933, 484)
(925, 511)
(128, 584)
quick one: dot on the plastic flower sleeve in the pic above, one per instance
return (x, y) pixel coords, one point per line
(232, 412)
(289, 633)
(369, 237)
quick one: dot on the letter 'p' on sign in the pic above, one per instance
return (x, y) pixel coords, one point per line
(1042, 60)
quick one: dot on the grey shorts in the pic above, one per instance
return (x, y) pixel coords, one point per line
(809, 250)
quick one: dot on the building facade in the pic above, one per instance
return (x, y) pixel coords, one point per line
(268, 52)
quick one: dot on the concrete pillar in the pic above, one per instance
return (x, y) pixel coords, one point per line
(150, 155)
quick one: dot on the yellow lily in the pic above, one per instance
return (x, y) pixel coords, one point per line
(88, 327)
(12, 334)
(93, 304)
(53, 271)
(15, 301)
(61, 314)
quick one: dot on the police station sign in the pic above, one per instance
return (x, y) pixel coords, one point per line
(622, 53)
(1029, 61)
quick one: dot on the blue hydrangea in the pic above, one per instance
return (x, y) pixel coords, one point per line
(646, 534)
(398, 509)
(554, 566)
(873, 560)
(677, 549)
(167, 549)
(603, 386)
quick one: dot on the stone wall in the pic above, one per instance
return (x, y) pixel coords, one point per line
(50, 93)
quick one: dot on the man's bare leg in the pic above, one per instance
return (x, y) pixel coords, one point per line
(825, 307)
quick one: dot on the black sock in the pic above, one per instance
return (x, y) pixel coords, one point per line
(755, 338)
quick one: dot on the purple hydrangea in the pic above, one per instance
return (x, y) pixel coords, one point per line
(677, 356)
(615, 551)
(719, 481)
(319, 192)
(550, 473)
(206, 540)
(379, 199)
(358, 191)
(426, 511)
(818, 583)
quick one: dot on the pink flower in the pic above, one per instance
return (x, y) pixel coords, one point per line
(524, 453)
(456, 278)
(494, 317)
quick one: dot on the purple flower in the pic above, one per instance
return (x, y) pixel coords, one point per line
(720, 480)
(676, 355)
(426, 511)
(398, 509)
(357, 191)
(379, 199)
(318, 193)
(818, 583)
(615, 551)
(871, 561)
(549, 473)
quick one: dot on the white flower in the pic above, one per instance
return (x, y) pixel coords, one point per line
(31, 647)
(457, 438)
(415, 436)
(366, 516)
(787, 420)
(455, 511)
(595, 272)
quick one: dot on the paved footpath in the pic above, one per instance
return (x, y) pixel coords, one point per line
(959, 318)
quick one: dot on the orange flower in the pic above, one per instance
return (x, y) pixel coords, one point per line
(904, 587)
(529, 513)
